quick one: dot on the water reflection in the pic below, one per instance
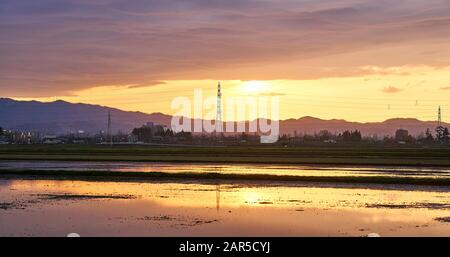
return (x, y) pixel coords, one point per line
(218, 197)
(50, 207)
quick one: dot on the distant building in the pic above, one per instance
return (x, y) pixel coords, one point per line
(51, 139)
(4, 140)
(402, 136)
(150, 132)
(79, 141)
(156, 128)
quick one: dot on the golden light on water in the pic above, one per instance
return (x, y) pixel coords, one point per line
(250, 197)
(166, 208)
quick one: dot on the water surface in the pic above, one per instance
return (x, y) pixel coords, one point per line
(57, 208)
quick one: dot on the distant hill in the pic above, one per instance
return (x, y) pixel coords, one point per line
(311, 125)
(62, 117)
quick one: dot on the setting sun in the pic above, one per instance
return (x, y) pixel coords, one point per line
(254, 87)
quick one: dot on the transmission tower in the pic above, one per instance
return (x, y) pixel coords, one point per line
(219, 109)
(440, 130)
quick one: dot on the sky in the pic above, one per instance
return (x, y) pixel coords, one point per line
(359, 60)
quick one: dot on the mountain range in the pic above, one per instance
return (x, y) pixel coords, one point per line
(60, 117)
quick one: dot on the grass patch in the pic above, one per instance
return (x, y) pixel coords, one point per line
(262, 155)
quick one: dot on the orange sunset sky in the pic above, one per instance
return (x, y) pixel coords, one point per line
(360, 60)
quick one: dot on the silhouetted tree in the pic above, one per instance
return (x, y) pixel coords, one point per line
(446, 136)
(325, 135)
(442, 135)
(185, 135)
(429, 136)
(351, 136)
(388, 140)
(428, 139)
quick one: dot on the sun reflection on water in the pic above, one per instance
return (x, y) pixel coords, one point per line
(234, 207)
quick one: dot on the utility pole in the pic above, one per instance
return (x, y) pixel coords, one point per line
(439, 117)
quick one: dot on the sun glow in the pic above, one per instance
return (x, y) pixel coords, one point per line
(254, 86)
(358, 98)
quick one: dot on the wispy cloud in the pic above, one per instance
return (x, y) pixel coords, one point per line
(148, 84)
(391, 89)
(52, 47)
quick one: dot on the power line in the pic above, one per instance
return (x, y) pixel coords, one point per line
(370, 99)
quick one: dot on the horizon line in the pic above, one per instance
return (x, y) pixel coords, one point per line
(165, 114)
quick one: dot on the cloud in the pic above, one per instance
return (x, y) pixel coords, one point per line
(148, 84)
(391, 89)
(52, 47)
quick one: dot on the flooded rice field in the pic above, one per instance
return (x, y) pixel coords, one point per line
(202, 208)
(291, 170)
